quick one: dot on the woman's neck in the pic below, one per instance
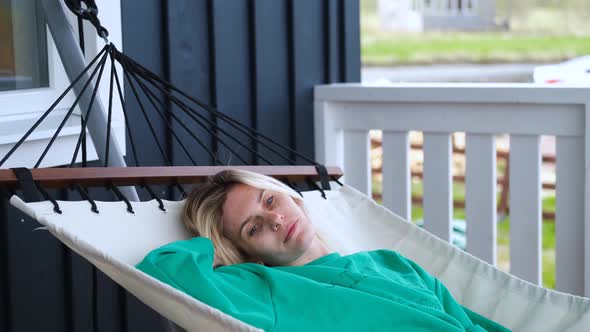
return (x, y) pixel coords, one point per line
(316, 250)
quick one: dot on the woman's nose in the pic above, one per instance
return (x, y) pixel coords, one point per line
(276, 220)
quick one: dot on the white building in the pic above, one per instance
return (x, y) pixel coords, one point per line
(425, 15)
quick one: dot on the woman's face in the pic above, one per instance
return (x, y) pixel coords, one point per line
(268, 226)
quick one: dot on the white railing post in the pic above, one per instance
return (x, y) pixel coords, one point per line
(587, 200)
(328, 140)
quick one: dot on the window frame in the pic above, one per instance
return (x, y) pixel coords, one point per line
(19, 109)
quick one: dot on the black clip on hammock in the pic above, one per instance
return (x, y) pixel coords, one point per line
(90, 13)
(323, 172)
(121, 197)
(315, 186)
(154, 196)
(30, 188)
(86, 197)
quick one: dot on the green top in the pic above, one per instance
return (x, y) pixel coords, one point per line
(367, 291)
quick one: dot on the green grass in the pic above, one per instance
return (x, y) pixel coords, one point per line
(534, 38)
(470, 48)
(503, 231)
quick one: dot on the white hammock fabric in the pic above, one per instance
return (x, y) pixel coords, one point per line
(115, 240)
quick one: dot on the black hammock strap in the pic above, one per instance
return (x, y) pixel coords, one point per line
(25, 179)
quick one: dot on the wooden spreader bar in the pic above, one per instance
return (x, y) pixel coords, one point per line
(132, 176)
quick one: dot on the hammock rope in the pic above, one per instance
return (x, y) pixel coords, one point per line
(175, 108)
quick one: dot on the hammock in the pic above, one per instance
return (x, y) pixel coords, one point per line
(104, 240)
(99, 231)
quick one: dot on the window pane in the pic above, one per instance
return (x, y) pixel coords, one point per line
(23, 45)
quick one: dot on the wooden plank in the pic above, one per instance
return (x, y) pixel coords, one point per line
(307, 66)
(569, 216)
(333, 34)
(147, 52)
(357, 160)
(190, 68)
(480, 196)
(438, 205)
(34, 276)
(81, 274)
(233, 72)
(155, 54)
(351, 41)
(122, 176)
(5, 294)
(271, 81)
(525, 208)
(397, 185)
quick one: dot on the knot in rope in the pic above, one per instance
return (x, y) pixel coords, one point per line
(88, 12)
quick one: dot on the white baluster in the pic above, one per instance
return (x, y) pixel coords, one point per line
(480, 196)
(397, 185)
(357, 161)
(438, 198)
(569, 215)
(525, 207)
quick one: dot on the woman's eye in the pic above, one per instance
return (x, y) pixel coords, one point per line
(269, 200)
(253, 230)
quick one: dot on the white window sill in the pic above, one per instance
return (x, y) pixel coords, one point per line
(61, 152)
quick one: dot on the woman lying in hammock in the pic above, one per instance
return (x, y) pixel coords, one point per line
(257, 258)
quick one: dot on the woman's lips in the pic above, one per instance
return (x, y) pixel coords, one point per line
(291, 231)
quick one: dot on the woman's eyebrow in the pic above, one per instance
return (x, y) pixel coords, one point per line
(260, 194)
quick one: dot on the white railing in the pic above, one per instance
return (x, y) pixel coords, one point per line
(345, 113)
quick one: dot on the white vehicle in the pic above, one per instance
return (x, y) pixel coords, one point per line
(575, 71)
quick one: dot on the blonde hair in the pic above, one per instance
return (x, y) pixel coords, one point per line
(203, 211)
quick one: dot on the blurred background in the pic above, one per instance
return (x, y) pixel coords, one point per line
(524, 41)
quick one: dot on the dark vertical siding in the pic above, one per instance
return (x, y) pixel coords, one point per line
(143, 40)
(308, 40)
(233, 75)
(81, 275)
(334, 42)
(255, 60)
(350, 45)
(5, 303)
(190, 70)
(271, 73)
(143, 36)
(35, 275)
